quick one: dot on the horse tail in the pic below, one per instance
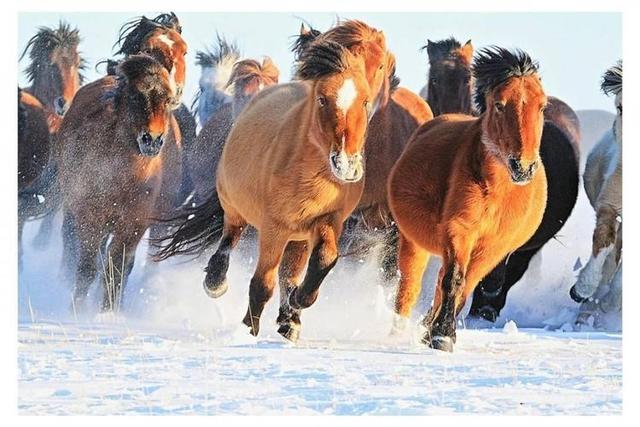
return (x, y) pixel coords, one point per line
(198, 228)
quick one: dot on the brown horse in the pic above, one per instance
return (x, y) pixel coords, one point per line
(111, 166)
(55, 74)
(470, 190)
(247, 78)
(450, 86)
(389, 130)
(292, 168)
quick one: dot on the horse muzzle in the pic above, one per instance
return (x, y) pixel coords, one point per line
(521, 175)
(346, 168)
(149, 145)
(61, 106)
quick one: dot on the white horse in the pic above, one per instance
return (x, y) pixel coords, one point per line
(599, 284)
(214, 91)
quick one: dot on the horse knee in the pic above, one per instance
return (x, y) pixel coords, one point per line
(452, 284)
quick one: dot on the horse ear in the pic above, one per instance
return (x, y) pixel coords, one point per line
(303, 30)
(466, 51)
(390, 67)
(431, 51)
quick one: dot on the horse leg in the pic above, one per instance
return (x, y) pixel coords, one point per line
(323, 258)
(292, 266)
(612, 301)
(412, 261)
(69, 245)
(215, 282)
(389, 261)
(86, 268)
(604, 237)
(490, 288)
(121, 255)
(263, 282)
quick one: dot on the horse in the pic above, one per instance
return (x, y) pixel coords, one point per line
(601, 277)
(470, 189)
(112, 150)
(247, 78)
(299, 148)
(55, 74)
(559, 151)
(389, 130)
(213, 89)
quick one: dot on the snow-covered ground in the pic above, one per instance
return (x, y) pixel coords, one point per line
(174, 350)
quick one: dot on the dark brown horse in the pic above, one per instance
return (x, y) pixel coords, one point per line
(112, 151)
(389, 130)
(55, 76)
(247, 78)
(470, 189)
(559, 152)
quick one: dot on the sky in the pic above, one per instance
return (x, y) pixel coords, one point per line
(573, 49)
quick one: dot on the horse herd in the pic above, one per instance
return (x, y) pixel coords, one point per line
(481, 169)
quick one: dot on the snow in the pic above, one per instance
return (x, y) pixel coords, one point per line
(173, 350)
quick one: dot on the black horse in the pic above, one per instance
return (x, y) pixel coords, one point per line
(450, 85)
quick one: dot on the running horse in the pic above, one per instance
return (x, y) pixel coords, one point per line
(160, 37)
(450, 90)
(112, 157)
(55, 74)
(599, 284)
(292, 168)
(389, 130)
(247, 78)
(470, 189)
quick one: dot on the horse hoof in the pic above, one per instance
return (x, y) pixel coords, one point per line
(488, 313)
(290, 331)
(214, 291)
(574, 295)
(442, 343)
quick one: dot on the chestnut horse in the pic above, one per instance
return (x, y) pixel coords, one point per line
(470, 189)
(599, 285)
(450, 87)
(213, 88)
(247, 78)
(292, 168)
(55, 74)
(389, 130)
(111, 165)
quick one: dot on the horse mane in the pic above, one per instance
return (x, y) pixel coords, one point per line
(222, 51)
(394, 80)
(441, 49)
(248, 69)
(612, 80)
(322, 58)
(134, 32)
(494, 65)
(303, 40)
(352, 34)
(45, 41)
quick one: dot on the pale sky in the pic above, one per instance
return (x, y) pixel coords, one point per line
(573, 49)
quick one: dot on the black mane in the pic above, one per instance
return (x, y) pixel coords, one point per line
(223, 49)
(612, 80)
(321, 58)
(133, 33)
(46, 40)
(302, 41)
(494, 65)
(441, 48)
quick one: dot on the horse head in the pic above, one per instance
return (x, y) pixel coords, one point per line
(160, 38)
(511, 99)
(56, 65)
(449, 80)
(248, 77)
(143, 98)
(341, 99)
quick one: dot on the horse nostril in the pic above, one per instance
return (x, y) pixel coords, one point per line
(146, 138)
(533, 167)
(515, 165)
(60, 103)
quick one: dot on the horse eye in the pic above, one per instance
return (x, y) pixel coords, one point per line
(619, 108)
(434, 80)
(499, 107)
(366, 104)
(322, 101)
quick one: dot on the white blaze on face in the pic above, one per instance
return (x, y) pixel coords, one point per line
(346, 95)
(166, 40)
